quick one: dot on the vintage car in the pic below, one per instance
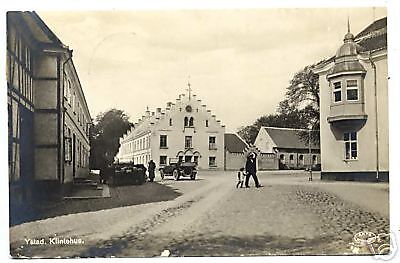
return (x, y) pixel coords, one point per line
(179, 169)
(127, 173)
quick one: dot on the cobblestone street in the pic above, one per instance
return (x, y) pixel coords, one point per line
(288, 216)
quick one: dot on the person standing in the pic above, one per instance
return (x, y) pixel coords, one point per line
(251, 169)
(240, 176)
(152, 168)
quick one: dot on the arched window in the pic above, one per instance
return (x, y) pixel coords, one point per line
(170, 122)
(186, 122)
(191, 122)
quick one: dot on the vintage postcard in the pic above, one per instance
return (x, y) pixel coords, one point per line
(198, 132)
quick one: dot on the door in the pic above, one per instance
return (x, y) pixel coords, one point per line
(26, 152)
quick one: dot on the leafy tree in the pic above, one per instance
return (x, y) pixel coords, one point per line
(104, 136)
(299, 109)
(303, 95)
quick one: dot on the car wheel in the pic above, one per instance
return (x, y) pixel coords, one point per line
(175, 173)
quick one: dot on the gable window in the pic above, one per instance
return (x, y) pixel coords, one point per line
(186, 122)
(191, 122)
(352, 90)
(350, 145)
(212, 161)
(337, 91)
(188, 142)
(211, 143)
(163, 141)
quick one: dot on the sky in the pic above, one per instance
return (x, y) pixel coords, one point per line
(239, 61)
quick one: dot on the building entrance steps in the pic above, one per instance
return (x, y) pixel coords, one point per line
(88, 188)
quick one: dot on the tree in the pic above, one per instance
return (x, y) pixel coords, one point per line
(303, 95)
(299, 109)
(104, 136)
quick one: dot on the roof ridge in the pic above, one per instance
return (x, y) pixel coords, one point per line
(284, 128)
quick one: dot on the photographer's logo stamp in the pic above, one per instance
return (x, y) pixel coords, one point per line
(383, 246)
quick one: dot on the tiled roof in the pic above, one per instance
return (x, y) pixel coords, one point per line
(375, 26)
(374, 42)
(234, 144)
(374, 36)
(288, 138)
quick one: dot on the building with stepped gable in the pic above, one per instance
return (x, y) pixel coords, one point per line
(184, 130)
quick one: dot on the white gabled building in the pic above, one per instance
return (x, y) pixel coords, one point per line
(184, 129)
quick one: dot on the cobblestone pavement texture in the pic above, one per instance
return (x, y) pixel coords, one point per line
(288, 216)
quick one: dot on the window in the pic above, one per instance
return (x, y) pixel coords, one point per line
(314, 160)
(350, 144)
(291, 159)
(163, 141)
(211, 143)
(211, 161)
(170, 122)
(188, 158)
(337, 91)
(301, 159)
(282, 158)
(73, 103)
(351, 90)
(188, 122)
(67, 144)
(206, 123)
(196, 159)
(180, 158)
(188, 142)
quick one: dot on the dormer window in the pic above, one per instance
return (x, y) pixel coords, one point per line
(352, 90)
(337, 91)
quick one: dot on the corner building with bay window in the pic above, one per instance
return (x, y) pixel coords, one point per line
(184, 130)
(354, 108)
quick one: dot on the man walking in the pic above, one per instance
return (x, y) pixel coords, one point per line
(251, 169)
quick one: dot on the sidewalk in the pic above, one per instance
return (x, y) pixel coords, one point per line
(84, 202)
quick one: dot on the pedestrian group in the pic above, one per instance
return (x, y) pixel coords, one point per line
(250, 169)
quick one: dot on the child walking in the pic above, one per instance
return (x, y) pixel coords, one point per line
(240, 176)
